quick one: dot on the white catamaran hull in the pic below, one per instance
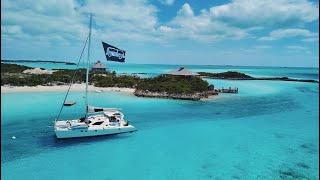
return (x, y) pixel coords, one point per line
(93, 132)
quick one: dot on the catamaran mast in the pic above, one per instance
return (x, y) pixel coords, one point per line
(88, 60)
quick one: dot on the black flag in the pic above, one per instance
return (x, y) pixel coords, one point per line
(113, 54)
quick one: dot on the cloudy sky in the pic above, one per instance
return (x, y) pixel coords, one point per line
(215, 32)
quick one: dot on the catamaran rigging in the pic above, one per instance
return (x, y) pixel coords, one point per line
(97, 120)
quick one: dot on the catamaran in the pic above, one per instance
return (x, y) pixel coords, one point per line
(97, 120)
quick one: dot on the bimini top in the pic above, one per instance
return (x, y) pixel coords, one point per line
(182, 72)
(93, 109)
(114, 113)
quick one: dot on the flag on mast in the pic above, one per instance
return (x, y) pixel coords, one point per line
(113, 53)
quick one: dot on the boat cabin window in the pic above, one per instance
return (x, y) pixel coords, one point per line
(82, 119)
(98, 123)
(112, 119)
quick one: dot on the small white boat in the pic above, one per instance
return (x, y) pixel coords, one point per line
(99, 91)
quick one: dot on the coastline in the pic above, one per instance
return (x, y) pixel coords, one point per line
(193, 97)
(91, 88)
(264, 79)
(61, 88)
(38, 61)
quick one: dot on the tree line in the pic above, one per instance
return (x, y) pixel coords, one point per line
(11, 74)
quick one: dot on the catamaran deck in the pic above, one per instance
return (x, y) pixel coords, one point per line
(110, 122)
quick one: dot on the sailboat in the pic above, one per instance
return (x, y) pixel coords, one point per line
(97, 121)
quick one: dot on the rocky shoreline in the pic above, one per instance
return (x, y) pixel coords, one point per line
(193, 97)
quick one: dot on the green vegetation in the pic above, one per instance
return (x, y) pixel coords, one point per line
(66, 75)
(173, 84)
(112, 80)
(13, 68)
(226, 75)
(162, 83)
(11, 74)
(23, 80)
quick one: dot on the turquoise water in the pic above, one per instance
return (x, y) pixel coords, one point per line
(270, 130)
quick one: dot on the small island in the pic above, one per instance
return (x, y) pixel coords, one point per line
(232, 75)
(174, 87)
(39, 61)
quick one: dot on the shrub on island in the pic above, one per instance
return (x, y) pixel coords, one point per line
(226, 75)
(13, 68)
(112, 80)
(173, 84)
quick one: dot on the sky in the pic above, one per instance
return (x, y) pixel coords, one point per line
(204, 32)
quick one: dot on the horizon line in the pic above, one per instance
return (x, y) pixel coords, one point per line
(168, 64)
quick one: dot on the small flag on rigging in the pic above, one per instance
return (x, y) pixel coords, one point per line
(113, 54)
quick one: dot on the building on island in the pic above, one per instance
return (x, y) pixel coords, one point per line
(182, 71)
(98, 66)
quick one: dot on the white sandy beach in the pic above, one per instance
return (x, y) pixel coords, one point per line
(61, 88)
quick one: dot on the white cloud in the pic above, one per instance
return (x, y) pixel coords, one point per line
(313, 39)
(184, 52)
(136, 20)
(263, 47)
(167, 2)
(10, 29)
(135, 15)
(48, 20)
(41, 22)
(237, 19)
(185, 11)
(165, 29)
(284, 33)
(247, 13)
(296, 47)
(187, 25)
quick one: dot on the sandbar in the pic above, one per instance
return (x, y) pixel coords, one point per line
(62, 88)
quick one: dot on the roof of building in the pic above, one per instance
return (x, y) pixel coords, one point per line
(98, 64)
(182, 72)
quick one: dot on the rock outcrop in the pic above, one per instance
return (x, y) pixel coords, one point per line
(193, 97)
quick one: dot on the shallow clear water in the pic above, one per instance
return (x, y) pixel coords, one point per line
(270, 130)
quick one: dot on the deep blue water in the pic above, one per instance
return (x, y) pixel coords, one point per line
(270, 130)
